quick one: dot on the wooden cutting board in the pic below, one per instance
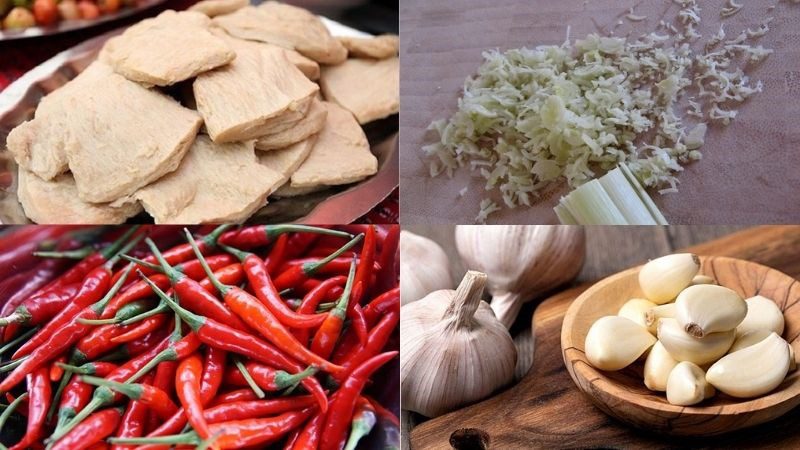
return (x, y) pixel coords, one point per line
(545, 409)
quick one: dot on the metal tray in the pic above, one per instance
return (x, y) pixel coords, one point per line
(336, 205)
(71, 25)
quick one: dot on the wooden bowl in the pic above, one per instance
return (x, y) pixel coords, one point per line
(623, 394)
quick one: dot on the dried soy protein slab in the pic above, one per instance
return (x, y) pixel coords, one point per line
(287, 160)
(213, 8)
(341, 154)
(308, 66)
(117, 135)
(171, 47)
(286, 26)
(56, 201)
(368, 88)
(203, 188)
(310, 125)
(376, 47)
(272, 93)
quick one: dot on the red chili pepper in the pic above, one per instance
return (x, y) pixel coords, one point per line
(364, 419)
(383, 413)
(378, 337)
(39, 398)
(291, 439)
(266, 377)
(265, 291)
(192, 295)
(387, 275)
(100, 340)
(327, 334)
(156, 399)
(22, 257)
(41, 307)
(77, 393)
(95, 428)
(309, 436)
(298, 244)
(238, 395)
(18, 288)
(364, 270)
(56, 371)
(337, 266)
(298, 274)
(388, 301)
(216, 334)
(213, 372)
(313, 299)
(132, 424)
(276, 255)
(94, 286)
(144, 343)
(262, 235)
(59, 342)
(256, 408)
(183, 252)
(341, 409)
(187, 383)
(142, 328)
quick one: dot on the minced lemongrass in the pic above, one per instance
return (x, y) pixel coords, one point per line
(577, 110)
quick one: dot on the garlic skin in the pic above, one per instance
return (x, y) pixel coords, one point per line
(424, 267)
(685, 347)
(453, 350)
(636, 310)
(750, 338)
(662, 279)
(708, 308)
(652, 316)
(702, 279)
(753, 371)
(522, 261)
(614, 342)
(657, 367)
(687, 385)
(762, 314)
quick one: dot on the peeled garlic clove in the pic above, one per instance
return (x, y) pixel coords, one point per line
(614, 342)
(651, 317)
(685, 347)
(702, 279)
(708, 308)
(747, 339)
(762, 314)
(687, 385)
(636, 309)
(657, 368)
(662, 279)
(753, 371)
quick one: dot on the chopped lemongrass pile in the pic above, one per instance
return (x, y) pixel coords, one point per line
(616, 198)
(531, 117)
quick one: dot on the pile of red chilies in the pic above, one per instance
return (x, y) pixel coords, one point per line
(236, 337)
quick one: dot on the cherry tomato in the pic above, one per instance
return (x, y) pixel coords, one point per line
(45, 12)
(109, 6)
(88, 9)
(19, 17)
(68, 10)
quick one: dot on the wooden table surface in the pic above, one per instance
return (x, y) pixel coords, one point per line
(609, 250)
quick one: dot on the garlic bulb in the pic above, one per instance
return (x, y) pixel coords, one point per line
(636, 310)
(614, 342)
(662, 279)
(708, 308)
(657, 368)
(687, 385)
(762, 314)
(453, 351)
(522, 261)
(424, 267)
(685, 347)
(753, 371)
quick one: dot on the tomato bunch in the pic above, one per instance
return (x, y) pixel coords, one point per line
(19, 14)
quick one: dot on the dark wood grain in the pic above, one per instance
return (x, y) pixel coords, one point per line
(546, 409)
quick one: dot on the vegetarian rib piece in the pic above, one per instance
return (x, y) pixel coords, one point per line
(56, 201)
(308, 66)
(341, 154)
(310, 125)
(287, 26)
(377, 47)
(201, 190)
(213, 8)
(282, 98)
(117, 135)
(368, 88)
(286, 160)
(166, 49)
